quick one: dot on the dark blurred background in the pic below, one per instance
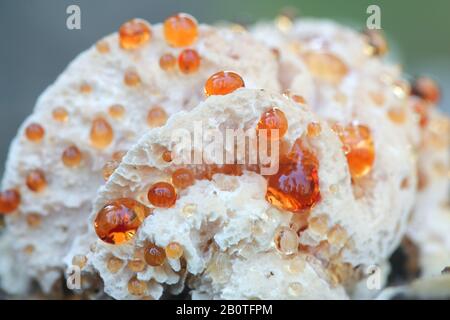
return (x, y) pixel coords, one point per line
(36, 45)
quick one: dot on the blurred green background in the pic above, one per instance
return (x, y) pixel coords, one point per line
(36, 45)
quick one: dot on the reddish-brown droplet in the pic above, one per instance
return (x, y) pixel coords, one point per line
(134, 34)
(101, 134)
(156, 117)
(180, 30)
(118, 221)
(162, 194)
(137, 287)
(167, 61)
(72, 156)
(60, 114)
(189, 61)
(36, 180)
(154, 255)
(271, 120)
(427, 89)
(167, 156)
(222, 83)
(358, 147)
(34, 132)
(182, 178)
(296, 185)
(9, 201)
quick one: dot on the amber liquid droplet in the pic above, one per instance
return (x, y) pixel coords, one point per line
(174, 250)
(183, 178)
(222, 83)
(134, 34)
(359, 149)
(377, 42)
(9, 201)
(162, 194)
(326, 66)
(167, 156)
(167, 61)
(118, 221)
(154, 255)
(296, 185)
(131, 78)
(156, 117)
(34, 132)
(116, 111)
(273, 119)
(313, 129)
(36, 181)
(72, 157)
(102, 47)
(189, 61)
(60, 114)
(85, 88)
(137, 287)
(180, 30)
(101, 133)
(109, 168)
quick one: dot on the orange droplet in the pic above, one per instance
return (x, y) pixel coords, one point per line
(271, 120)
(156, 117)
(101, 133)
(295, 187)
(137, 287)
(60, 114)
(34, 220)
(313, 129)
(377, 43)
(188, 61)
(72, 156)
(85, 88)
(162, 194)
(223, 82)
(174, 250)
(134, 34)
(397, 115)
(182, 178)
(326, 66)
(131, 78)
(167, 156)
(118, 221)
(154, 255)
(421, 107)
(358, 147)
(116, 111)
(180, 30)
(167, 61)
(427, 89)
(36, 180)
(298, 99)
(9, 201)
(34, 132)
(102, 46)
(109, 168)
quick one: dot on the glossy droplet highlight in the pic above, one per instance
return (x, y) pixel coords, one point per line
(162, 194)
(101, 133)
(154, 255)
(36, 181)
(271, 121)
(72, 157)
(134, 34)
(188, 61)
(222, 83)
(9, 201)
(34, 132)
(180, 30)
(118, 221)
